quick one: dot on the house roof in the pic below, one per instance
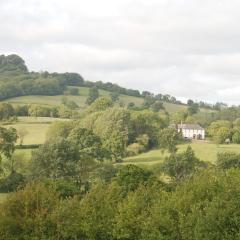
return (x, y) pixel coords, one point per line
(190, 126)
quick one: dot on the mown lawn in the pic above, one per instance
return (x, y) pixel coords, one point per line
(205, 151)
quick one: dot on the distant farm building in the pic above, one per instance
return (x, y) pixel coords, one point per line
(191, 131)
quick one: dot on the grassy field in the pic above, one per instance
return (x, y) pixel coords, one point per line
(3, 196)
(36, 128)
(205, 151)
(80, 100)
(36, 133)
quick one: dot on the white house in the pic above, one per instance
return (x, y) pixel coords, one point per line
(191, 131)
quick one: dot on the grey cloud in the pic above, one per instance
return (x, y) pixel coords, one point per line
(187, 48)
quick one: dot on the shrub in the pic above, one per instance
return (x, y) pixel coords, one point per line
(74, 91)
(228, 160)
(12, 182)
(236, 137)
(134, 149)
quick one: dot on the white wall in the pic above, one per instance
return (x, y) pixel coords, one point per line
(189, 133)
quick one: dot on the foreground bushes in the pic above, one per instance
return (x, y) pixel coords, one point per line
(205, 207)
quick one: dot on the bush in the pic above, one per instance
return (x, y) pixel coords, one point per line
(236, 137)
(65, 188)
(12, 182)
(74, 91)
(26, 213)
(228, 160)
(134, 149)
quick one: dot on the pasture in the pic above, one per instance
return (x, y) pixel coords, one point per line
(202, 116)
(35, 128)
(79, 99)
(205, 151)
(3, 196)
(35, 133)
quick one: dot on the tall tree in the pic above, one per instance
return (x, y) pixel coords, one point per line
(93, 95)
(179, 166)
(8, 138)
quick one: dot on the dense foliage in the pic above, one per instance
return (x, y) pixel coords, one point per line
(75, 185)
(207, 207)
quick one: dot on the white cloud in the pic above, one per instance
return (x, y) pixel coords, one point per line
(187, 48)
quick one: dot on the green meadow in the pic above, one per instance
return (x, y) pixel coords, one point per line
(3, 196)
(205, 151)
(79, 99)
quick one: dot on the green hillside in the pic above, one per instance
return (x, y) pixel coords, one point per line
(206, 151)
(20, 87)
(81, 99)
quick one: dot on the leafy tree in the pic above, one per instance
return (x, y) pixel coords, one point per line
(131, 176)
(55, 159)
(206, 207)
(179, 117)
(148, 101)
(135, 149)
(27, 213)
(89, 145)
(236, 136)
(145, 122)
(168, 139)
(60, 129)
(21, 110)
(91, 218)
(193, 109)
(101, 104)
(12, 182)
(112, 127)
(191, 120)
(215, 126)
(73, 79)
(6, 111)
(230, 113)
(93, 95)
(143, 140)
(228, 160)
(190, 102)
(180, 166)
(114, 96)
(8, 138)
(222, 135)
(73, 157)
(133, 213)
(65, 112)
(157, 106)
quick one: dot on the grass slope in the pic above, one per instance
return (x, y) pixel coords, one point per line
(3, 197)
(81, 99)
(36, 128)
(36, 133)
(205, 151)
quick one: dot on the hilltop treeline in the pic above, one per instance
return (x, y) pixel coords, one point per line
(16, 80)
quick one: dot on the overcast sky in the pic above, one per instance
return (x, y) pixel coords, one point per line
(186, 48)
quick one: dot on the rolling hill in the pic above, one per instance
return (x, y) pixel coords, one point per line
(81, 99)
